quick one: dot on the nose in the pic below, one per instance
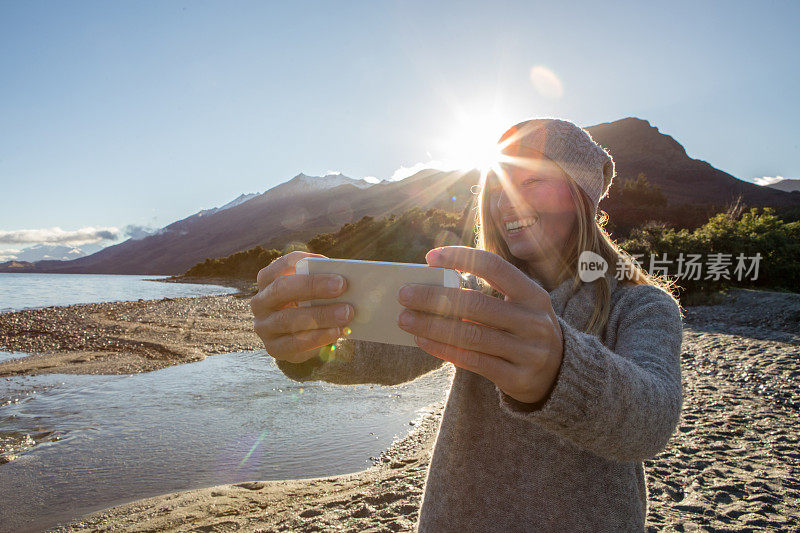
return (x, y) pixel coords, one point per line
(503, 200)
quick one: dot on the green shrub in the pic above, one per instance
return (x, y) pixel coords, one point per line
(244, 265)
(758, 231)
(408, 237)
(405, 238)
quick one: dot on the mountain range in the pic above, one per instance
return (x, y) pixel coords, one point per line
(788, 185)
(305, 206)
(57, 252)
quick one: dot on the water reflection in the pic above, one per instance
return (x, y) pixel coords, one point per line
(105, 440)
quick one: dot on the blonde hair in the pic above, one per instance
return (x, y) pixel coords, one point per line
(588, 233)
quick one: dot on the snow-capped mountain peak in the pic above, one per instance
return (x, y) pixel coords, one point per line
(60, 252)
(300, 184)
(328, 181)
(303, 183)
(242, 198)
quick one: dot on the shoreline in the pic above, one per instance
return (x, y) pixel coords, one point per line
(733, 463)
(245, 287)
(383, 497)
(129, 336)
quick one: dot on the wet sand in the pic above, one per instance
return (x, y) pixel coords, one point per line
(384, 497)
(732, 465)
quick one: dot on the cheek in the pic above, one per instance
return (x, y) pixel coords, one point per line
(555, 200)
(560, 213)
(563, 198)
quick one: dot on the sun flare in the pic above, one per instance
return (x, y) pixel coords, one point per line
(473, 142)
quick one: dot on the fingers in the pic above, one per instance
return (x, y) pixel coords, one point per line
(301, 346)
(498, 272)
(492, 368)
(290, 333)
(296, 333)
(466, 303)
(469, 336)
(282, 266)
(297, 319)
(294, 288)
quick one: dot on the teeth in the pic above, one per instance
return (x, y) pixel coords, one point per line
(521, 223)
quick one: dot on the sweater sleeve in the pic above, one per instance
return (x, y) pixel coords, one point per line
(624, 404)
(354, 362)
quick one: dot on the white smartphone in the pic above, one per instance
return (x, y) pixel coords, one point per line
(372, 288)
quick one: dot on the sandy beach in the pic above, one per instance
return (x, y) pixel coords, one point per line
(732, 465)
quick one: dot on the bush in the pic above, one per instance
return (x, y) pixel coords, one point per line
(733, 239)
(244, 265)
(405, 239)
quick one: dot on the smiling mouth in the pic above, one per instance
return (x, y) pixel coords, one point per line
(516, 226)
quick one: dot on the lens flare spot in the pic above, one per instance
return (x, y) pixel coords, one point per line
(546, 82)
(255, 445)
(347, 331)
(326, 352)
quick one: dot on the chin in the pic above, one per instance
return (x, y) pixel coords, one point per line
(524, 252)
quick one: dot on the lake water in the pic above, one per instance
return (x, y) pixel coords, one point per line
(86, 442)
(27, 291)
(107, 440)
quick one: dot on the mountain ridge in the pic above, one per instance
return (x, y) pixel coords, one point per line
(786, 185)
(300, 208)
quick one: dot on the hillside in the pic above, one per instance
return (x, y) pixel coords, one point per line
(788, 185)
(303, 207)
(269, 221)
(639, 147)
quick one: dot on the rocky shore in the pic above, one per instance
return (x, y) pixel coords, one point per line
(734, 462)
(732, 465)
(128, 337)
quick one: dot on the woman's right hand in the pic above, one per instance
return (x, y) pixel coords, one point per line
(293, 333)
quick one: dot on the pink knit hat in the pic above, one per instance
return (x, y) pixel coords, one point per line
(569, 146)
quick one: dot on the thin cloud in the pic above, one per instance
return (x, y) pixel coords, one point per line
(57, 235)
(9, 254)
(405, 172)
(137, 232)
(767, 180)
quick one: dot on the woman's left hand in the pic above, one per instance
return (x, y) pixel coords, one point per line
(516, 342)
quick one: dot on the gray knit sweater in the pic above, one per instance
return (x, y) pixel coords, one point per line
(571, 463)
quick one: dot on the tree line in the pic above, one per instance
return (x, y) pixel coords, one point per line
(703, 250)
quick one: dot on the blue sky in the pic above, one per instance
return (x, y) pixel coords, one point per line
(141, 113)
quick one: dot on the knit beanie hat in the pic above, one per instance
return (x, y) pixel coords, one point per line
(569, 146)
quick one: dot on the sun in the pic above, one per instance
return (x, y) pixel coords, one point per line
(472, 142)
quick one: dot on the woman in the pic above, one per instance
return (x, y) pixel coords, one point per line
(562, 387)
